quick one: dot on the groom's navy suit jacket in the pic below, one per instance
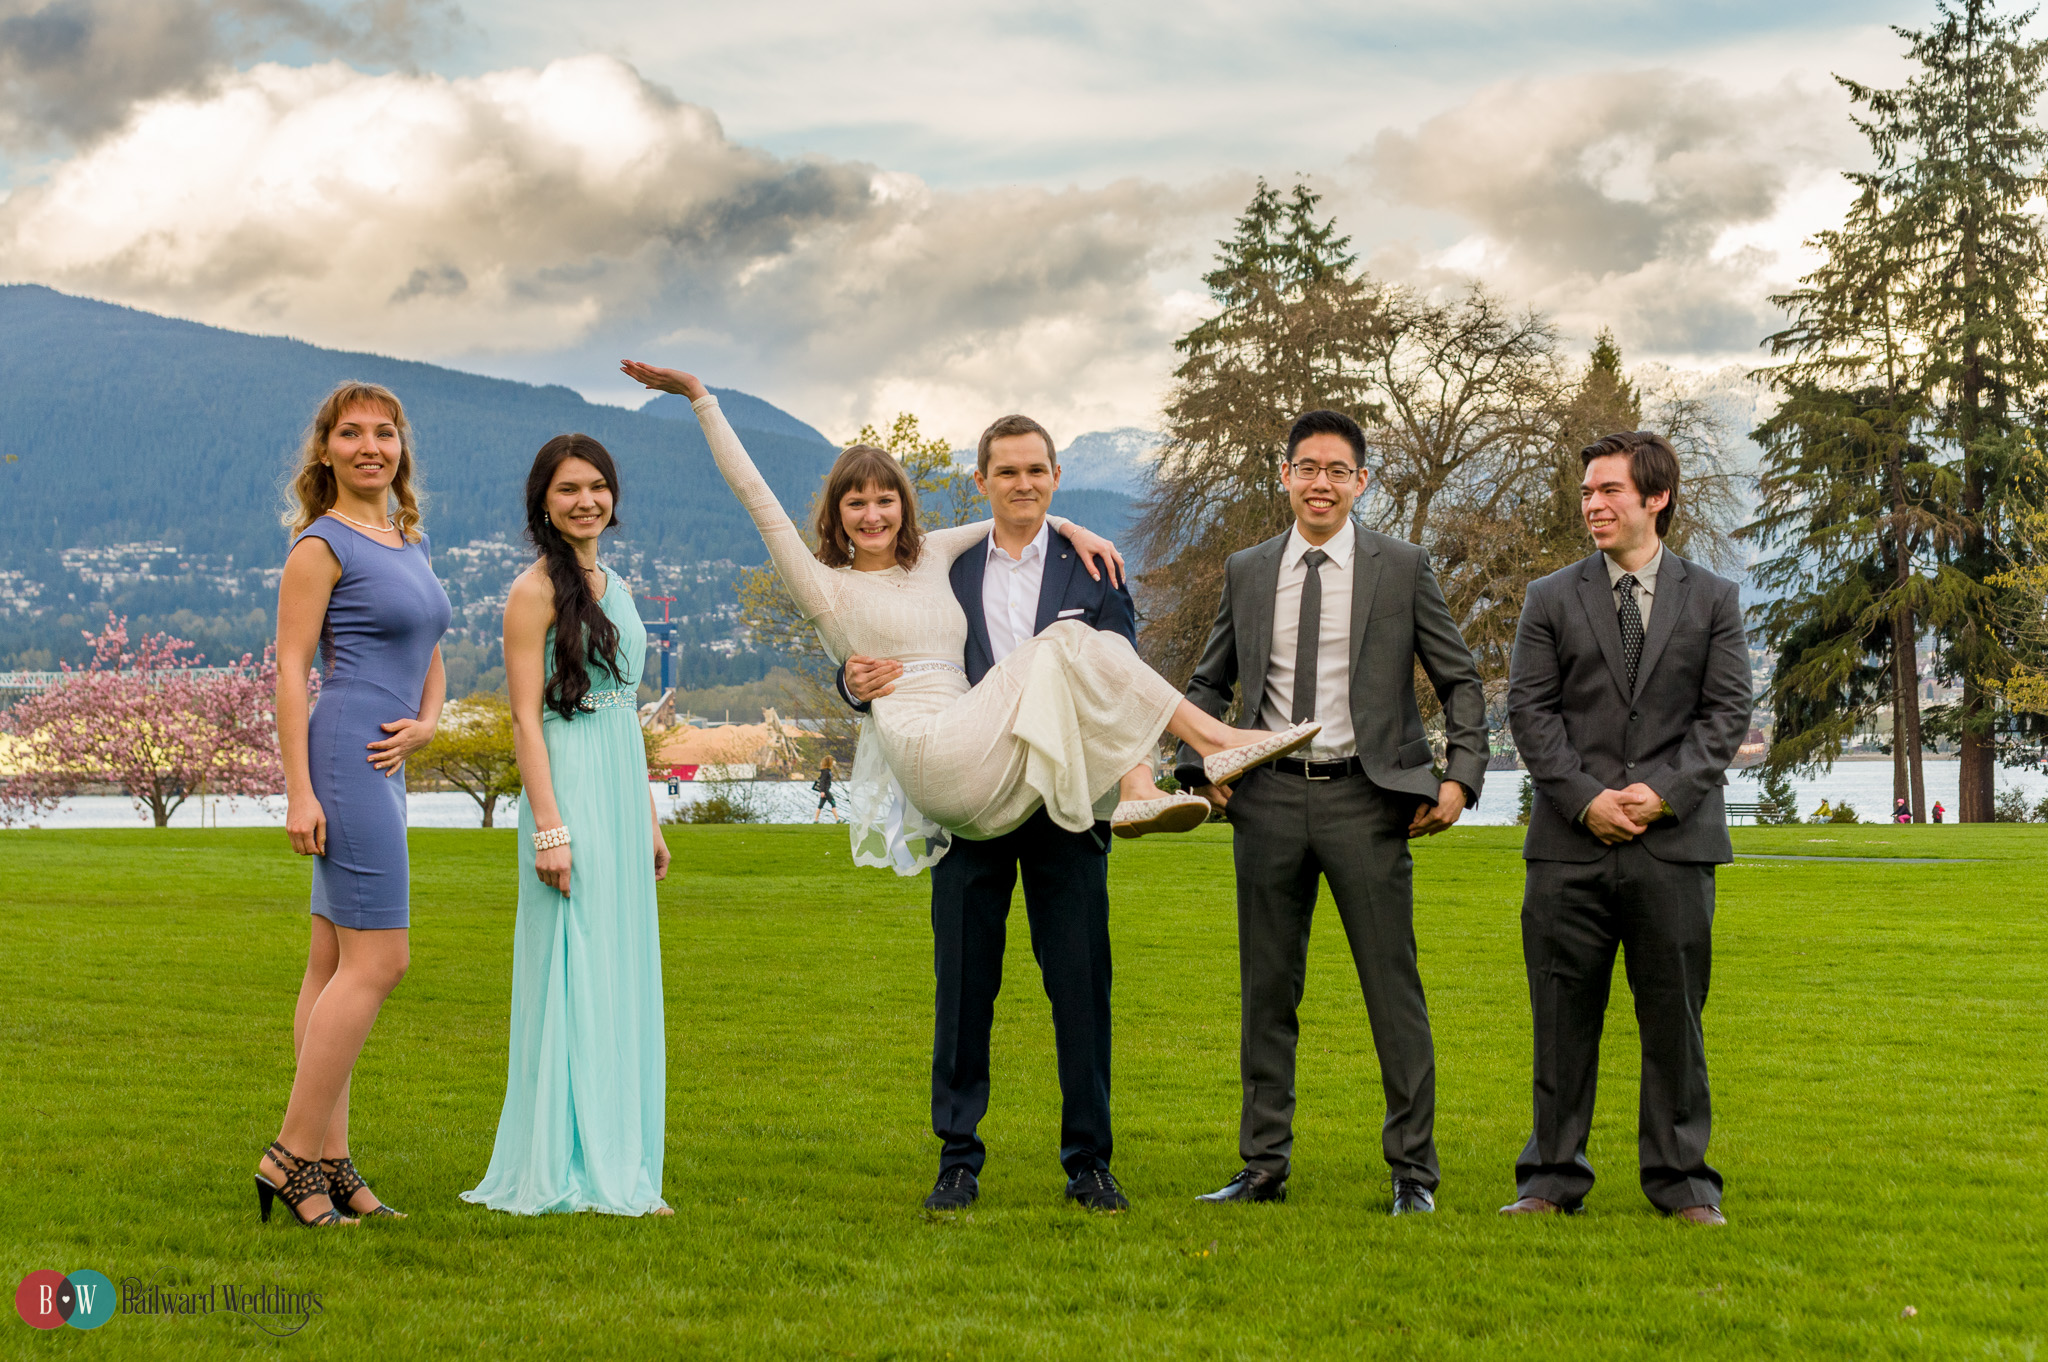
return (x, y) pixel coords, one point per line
(1066, 592)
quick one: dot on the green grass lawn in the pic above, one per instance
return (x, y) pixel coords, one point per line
(1876, 1035)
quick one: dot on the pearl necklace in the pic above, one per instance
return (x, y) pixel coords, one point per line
(382, 529)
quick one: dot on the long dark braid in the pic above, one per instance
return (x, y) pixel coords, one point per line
(582, 629)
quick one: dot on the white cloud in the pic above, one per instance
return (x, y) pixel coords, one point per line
(1665, 206)
(578, 209)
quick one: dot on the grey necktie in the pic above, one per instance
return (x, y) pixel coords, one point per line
(1631, 626)
(1308, 635)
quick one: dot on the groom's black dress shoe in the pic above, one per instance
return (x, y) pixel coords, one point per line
(1252, 1184)
(1095, 1189)
(1412, 1198)
(955, 1190)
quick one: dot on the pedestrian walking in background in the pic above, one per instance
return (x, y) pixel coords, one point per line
(823, 786)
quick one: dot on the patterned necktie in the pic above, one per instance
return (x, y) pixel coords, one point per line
(1308, 635)
(1631, 626)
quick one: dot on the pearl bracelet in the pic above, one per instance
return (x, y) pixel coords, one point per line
(546, 839)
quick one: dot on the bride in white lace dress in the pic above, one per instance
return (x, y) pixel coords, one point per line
(1067, 716)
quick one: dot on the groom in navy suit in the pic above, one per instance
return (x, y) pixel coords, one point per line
(1019, 581)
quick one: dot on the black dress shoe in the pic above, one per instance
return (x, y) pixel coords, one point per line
(1252, 1184)
(1096, 1190)
(1412, 1198)
(955, 1190)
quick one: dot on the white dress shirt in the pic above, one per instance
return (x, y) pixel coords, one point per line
(1333, 644)
(1646, 583)
(1646, 595)
(1009, 593)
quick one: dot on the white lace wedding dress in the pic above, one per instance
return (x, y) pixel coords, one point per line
(1058, 722)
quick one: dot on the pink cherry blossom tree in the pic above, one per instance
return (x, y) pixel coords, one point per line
(149, 722)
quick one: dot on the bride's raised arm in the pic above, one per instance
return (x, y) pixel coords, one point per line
(809, 581)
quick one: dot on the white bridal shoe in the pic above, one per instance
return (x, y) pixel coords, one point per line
(1226, 766)
(1168, 813)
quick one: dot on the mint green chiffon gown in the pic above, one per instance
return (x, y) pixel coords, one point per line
(586, 1085)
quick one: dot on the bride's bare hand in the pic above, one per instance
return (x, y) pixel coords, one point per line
(1092, 546)
(663, 380)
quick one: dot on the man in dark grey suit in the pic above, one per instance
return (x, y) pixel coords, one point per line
(1629, 692)
(1327, 622)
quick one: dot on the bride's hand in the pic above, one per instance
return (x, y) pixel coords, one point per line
(1092, 546)
(663, 380)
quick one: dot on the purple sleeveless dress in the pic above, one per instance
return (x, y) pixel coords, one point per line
(384, 620)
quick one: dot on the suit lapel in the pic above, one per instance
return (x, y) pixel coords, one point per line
(1365, 580)
(974, 569)
(1596, 594)
(1261, 583)
(1060, 565)
(1665, 608)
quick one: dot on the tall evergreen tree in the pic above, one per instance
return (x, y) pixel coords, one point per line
(1959, 168)
(1290, 335)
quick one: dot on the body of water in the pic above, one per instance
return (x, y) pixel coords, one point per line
(1865, 784)
(780, 802)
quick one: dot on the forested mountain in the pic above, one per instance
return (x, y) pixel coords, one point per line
(142, 461)
(118, 426)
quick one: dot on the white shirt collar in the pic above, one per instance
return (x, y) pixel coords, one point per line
(1037, 545)
(1339, 548)
(1646, 575)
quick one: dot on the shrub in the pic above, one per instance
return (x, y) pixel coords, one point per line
(1526, 809)
(1845, 812)
(1777, 806)
(2041, 811)
(729, 801)
(2009, 807)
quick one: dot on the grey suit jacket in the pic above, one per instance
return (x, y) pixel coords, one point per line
(1398, 616)
(1580, 731)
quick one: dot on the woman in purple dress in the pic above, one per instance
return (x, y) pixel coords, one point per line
(359, 588)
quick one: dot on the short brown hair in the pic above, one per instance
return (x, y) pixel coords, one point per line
(865, 466)
(1012, 425)
(1652, 466)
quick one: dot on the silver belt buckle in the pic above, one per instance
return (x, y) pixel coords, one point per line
(1308, 772)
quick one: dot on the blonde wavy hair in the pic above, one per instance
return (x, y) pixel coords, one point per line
(310, 493)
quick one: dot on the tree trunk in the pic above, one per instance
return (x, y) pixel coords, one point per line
(1908, 777)
(1976, 781)
(490, 803)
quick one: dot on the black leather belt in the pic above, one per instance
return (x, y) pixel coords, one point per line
(1320, 770)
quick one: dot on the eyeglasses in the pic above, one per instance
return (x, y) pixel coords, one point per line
(1340, 475)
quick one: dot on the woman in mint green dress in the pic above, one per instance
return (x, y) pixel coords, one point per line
(585, 1089)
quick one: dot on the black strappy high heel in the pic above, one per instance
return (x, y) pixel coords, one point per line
(343, 1182)
(303, 1179)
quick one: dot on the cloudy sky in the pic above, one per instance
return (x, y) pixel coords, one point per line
(958, 210)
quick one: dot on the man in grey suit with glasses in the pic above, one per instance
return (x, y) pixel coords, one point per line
(1327, 622)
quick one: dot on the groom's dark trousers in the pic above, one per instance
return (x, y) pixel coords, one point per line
(1066, 901)
(1581, 728)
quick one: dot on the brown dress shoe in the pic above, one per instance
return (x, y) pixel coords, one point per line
(1702, 1215)
(1536, 1205)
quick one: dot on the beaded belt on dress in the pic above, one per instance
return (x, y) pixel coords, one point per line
(910, 667)
(608, 699)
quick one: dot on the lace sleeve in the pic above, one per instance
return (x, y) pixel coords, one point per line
(948, 544)
(814, 585)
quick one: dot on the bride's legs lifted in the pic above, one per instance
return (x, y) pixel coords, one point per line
(1209, 735)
